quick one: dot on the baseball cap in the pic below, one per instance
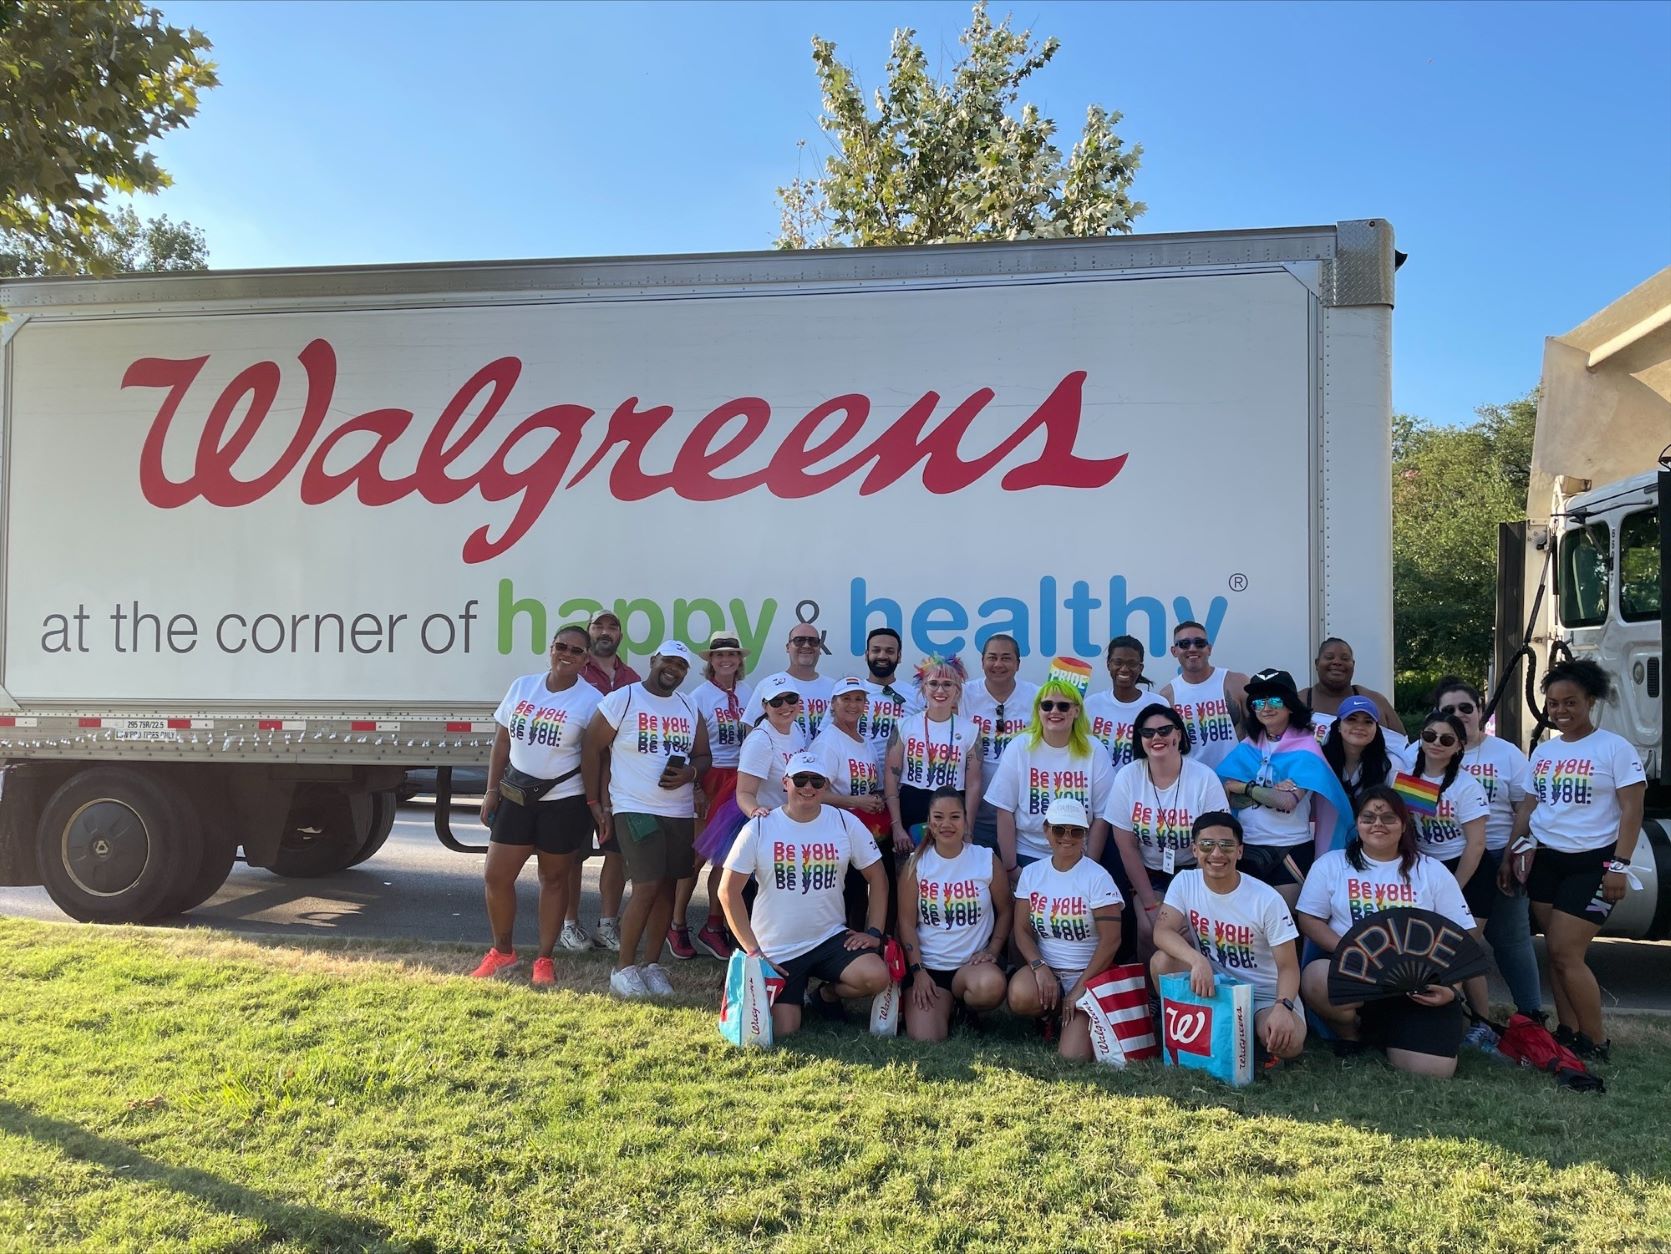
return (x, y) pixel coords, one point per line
(1068, 812)
(678, 649)
(804, 764)
(846, 684)
(776, 686)
(1359, 705)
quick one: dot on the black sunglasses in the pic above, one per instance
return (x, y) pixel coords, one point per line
(804, 642)
(1461, 707)
(572, 650)
(1064, 829)
(787, 698)
(1191, 642)
(1431, 737)
(805, 780)
(1149, 733)
(1063, 706)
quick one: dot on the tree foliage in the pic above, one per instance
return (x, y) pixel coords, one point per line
(1451, 487)
(131, 244)
(84, 88)
(939, 162)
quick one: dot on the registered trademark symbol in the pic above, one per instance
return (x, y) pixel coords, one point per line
(1238, 582)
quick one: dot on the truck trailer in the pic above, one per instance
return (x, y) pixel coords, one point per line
(272, 539)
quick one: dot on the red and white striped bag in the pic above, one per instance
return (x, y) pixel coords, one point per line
(1117, 1002)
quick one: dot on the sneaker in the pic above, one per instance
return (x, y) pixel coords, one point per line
(628, 983)
(678, 941)
(494, 964)
(1592, 1051)
(823, 1007)
(655, 979)
(608, 936)
(715, 940)
(1564, 1035)
(545, 974)
(1480, 1037)
(574, 937)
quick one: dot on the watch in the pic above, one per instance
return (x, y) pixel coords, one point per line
(874, 931)
(1036, 963)
(1288, 1003)
(913, 968)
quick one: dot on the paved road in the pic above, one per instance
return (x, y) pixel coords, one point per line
(416, 888)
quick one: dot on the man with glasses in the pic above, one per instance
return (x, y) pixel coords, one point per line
(804, 647)
(799, 855)
(1218, 922)
(1001, 705)
(1210, 699)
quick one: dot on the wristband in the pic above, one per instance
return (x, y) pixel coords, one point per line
(874, 931)
(913, 968)
(1614, 867)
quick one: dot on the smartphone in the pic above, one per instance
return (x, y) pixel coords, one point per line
(674, 763)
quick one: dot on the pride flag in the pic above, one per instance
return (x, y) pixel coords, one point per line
(1071, 671)
(1419, 794)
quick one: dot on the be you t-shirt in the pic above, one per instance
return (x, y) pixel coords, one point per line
(546, 729)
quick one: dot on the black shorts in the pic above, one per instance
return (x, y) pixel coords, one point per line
(1399, 1023)
(913, 805)
(942, 978)
(1571, 882)
(827, 960)
(1269, 863)
(561, 826)
(1481, 889)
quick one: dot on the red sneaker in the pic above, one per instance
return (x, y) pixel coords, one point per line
(545, 975)
(678, 940)
(713, 938)
(494, 964)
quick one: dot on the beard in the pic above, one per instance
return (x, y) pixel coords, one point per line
(882, 668)
(605, 647)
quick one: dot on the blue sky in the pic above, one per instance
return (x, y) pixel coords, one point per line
(1522, 151)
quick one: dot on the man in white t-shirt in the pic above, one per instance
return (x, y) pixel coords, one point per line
(1002, 706)
(798, 855)
(657, 745)
(1217, 921)
(888, 700)
(1212, 700)
(804, 647)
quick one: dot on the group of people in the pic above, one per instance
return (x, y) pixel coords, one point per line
(1019, 839)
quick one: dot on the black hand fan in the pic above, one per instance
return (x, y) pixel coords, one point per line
(1394, 952)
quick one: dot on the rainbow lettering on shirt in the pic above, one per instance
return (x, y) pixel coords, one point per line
(537, 725)
(1228, 944)
(1116, 738)
(784, 866)
(876, 722)
(1043, 787)
(819, 867)
(1209, 722)
(930, 763)
(948, 904)
(1367, 897)
(728, 726)
(1486, 773)
(1436, 831)
(1064, 918)
(664, 734)
(1564, 781)
(863, 780)
(1163, 827)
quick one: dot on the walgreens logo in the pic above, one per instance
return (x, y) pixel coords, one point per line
(328, 455)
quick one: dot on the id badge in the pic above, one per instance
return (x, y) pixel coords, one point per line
(1168, 859)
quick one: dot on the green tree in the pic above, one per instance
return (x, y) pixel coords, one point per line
(1451, 487)
(86, 87)
(941, 162)
(131, 244)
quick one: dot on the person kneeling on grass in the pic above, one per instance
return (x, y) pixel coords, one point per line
(799, 855)
(1067, 929)
(1216, 921)
(956, 935)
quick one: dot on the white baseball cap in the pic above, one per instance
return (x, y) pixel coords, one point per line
(804, 763)
(676, 648)
(849, 683)
(776, 686)
(1067, 812)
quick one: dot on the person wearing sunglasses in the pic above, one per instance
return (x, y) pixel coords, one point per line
(1336, 667)
(1218, 922)
(954, 939)
(1113, 714)
(855, 773)
(542, 723)
(805, 646)
(608, 672)
(1151, 814)
(1067, 929)
(719, 700)
(1356, 749)
(1055, 758)
(775, 738)
(1287, 797)
(930, 750)
(799, 855)
(1506, 776)
(1210, 699)
(1001, 705)
(1590, 787)
(1381, 869)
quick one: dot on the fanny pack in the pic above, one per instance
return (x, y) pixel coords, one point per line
(525, 789)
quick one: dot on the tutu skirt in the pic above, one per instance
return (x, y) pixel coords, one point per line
(724, 822)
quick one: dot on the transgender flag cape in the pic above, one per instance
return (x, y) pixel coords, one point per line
(1299, 757)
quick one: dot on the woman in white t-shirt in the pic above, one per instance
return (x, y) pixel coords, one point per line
(1151, 812)
(719, 702)
(1590, 787)
(931, 749)
(1381, 869)
(542, 725)
(1355, 747)
(1506, 777)
(1067, 929)
(773, 740)
(1455, 832)
(955, 938)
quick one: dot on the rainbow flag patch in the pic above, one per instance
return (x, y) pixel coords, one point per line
(1421, 796)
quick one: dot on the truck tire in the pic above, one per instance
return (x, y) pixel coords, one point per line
(220, 852)
(322, 835)
(384, 806)
(115, 844)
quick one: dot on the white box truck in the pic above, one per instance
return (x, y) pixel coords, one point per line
(273, 538)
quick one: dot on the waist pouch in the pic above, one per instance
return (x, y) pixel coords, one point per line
(525, 789)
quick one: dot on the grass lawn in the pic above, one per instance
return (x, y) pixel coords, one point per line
(179, 1090)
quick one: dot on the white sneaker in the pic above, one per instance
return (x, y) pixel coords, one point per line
(628, 983)
(608, 935)
(574, 937)
(655, 979)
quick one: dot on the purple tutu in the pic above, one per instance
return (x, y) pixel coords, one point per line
(724, 823)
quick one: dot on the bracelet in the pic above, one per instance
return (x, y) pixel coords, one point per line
(491, 788)
(1615, 867)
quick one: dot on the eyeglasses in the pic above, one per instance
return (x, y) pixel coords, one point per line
(569, 650)
(1063, 829)
(787, 698)
(1431, 737)
(1191, 642)
(1207, 846)
(1152, 733)
(940, 683)
(805, 780)
(803, 642)
(1378, 818)
(1266, 703)
(1064, 706)
(1461, 707)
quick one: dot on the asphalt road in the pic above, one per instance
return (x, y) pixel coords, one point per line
(416, 888)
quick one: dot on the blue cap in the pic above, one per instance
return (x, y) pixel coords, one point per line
(1359, 705)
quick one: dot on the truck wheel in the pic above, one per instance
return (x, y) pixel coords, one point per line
(325, 832)
(220, 851)
(383, 808)
(114, 844)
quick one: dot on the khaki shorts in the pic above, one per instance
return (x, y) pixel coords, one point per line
(654, 846)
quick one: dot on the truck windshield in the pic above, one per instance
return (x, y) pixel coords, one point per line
(1583, 575)
(1639, 566)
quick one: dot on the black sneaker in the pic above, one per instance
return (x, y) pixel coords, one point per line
(1591, 1051)
(824, 1008)
(1564, 1035)
(1344, 1048)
